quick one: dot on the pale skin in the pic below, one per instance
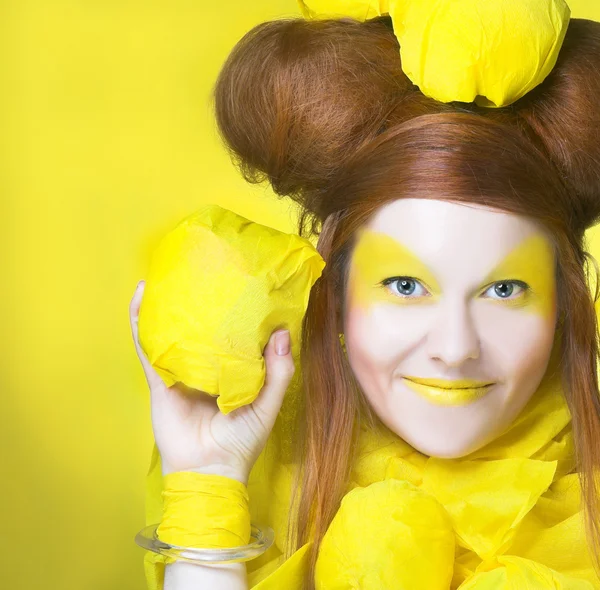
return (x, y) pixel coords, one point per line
(455, 314)
(451, 324)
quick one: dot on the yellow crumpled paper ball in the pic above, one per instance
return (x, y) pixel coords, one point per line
(217, 287)
(390, 522)
(491, 53)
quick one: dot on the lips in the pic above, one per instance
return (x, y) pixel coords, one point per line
(446, 392)
(450, 383)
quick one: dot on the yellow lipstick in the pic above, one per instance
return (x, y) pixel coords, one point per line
(445, 392)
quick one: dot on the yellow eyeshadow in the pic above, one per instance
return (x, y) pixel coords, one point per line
(378, 256)
(532, 262)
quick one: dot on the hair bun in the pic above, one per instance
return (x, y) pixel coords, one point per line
(564, 113)
(295, 96)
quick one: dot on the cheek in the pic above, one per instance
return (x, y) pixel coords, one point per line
(516, 343)
(519, 344)
(378, 339)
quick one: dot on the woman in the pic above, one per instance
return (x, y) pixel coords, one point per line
(447, 439)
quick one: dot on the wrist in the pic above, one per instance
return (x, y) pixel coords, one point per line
(215, 469)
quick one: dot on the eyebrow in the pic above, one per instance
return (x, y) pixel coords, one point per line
(508, 260)
(498, 268)
(385, 251)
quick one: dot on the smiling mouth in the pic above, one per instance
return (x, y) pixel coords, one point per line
(445, 392)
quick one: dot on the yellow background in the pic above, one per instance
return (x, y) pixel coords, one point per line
(107, 142)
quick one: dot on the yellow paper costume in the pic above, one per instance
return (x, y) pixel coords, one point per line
(506, 517)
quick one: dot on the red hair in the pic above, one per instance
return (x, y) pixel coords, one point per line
(322, 110)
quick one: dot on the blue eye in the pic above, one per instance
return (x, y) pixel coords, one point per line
(504, 289)
(407, 286)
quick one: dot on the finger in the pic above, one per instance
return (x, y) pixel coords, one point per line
(134, 312)
(152, 376)
(279, 373)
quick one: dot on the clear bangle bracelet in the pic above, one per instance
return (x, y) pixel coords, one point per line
(261, 538)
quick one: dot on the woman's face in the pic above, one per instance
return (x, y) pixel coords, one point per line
(450, 350)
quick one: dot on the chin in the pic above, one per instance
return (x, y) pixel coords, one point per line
(449, 453)
(443, 450)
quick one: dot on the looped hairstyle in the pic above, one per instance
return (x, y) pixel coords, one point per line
(323, 111)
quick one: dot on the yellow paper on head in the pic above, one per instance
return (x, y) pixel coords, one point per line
(359, 9)
(217, 287)
(491, 53)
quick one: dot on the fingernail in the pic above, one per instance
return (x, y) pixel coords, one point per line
(140, 285)
(282, 342)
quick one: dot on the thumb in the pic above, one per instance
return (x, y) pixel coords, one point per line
(279, 373)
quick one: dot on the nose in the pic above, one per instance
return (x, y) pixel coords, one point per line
(453, 336)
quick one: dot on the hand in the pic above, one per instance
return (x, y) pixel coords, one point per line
(190, 431)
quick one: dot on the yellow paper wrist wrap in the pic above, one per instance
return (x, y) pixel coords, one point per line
(204, 511)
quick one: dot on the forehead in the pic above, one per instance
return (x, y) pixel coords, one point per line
(445, 234)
